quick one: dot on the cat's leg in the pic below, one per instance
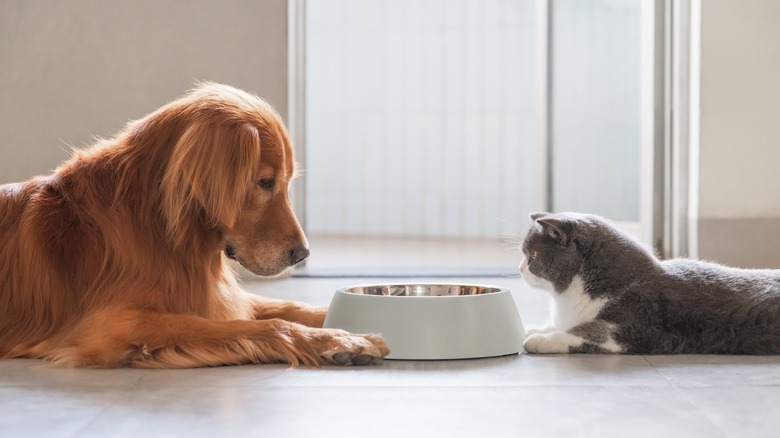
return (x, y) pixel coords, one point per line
(597, 338)
(589, 337)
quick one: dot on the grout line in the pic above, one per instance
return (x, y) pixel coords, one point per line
(658, 370)
(102, 412)
(697, 408)
(686, 397)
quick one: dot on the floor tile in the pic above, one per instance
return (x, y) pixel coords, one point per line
(515, 370)
(739, 411)
(44, 411)
(392, 412)
(708, 370)
(39, 373)
(229, 376)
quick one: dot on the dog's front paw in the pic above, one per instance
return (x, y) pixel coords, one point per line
(349, 349)
(315, 317)
(551, 342)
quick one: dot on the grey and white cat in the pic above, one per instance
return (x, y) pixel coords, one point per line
(612, 295)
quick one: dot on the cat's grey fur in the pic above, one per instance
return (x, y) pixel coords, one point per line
(653, 306)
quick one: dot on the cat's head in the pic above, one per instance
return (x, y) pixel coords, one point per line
(551, 254)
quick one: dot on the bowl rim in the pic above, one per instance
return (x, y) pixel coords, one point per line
(501, 290)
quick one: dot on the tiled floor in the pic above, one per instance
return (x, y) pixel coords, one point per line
(517, 396)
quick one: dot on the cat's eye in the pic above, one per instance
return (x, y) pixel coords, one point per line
(532, 256)
(267, 183)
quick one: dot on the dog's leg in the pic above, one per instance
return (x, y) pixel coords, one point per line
(160, 340)
(269, 308)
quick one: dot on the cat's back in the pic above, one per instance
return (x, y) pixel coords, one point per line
(702, 307)
(714, 278)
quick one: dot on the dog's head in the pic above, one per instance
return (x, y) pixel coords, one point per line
(230, 169)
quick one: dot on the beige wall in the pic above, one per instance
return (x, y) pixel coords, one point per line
(74, 69)
(739, 209)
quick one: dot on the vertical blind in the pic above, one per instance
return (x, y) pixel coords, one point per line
(596, 107)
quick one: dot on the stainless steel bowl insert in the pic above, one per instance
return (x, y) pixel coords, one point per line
(421, 290)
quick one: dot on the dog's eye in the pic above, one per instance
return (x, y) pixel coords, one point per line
(267, 183)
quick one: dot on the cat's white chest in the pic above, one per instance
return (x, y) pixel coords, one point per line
(573, 306)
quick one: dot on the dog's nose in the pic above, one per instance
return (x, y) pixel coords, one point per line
(298, 254)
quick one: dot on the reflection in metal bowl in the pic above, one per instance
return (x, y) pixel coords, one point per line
(421, 290)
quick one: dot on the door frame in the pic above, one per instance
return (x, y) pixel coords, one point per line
(669, 125)
(296, 99)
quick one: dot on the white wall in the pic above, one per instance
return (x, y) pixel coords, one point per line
(740, 109)
(72, 69)
(739, 197)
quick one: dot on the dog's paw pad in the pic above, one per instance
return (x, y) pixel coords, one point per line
(362, 359)
(341, 358)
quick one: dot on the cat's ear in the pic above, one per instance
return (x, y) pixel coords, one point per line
(536, 216)
(558, 229)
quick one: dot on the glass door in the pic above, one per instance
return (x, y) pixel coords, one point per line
(598, 112)
(434, 127)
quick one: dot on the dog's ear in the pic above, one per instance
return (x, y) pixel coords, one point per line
(210, 172)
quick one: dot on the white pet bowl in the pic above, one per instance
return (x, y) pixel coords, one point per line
(431, 321)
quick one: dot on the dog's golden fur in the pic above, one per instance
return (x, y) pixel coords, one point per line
(119, 257)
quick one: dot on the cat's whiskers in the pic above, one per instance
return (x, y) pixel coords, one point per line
(511, 241)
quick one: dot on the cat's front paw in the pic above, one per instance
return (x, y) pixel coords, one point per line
(551, 343)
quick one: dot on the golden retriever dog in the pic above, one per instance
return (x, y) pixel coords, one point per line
(119, 258)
